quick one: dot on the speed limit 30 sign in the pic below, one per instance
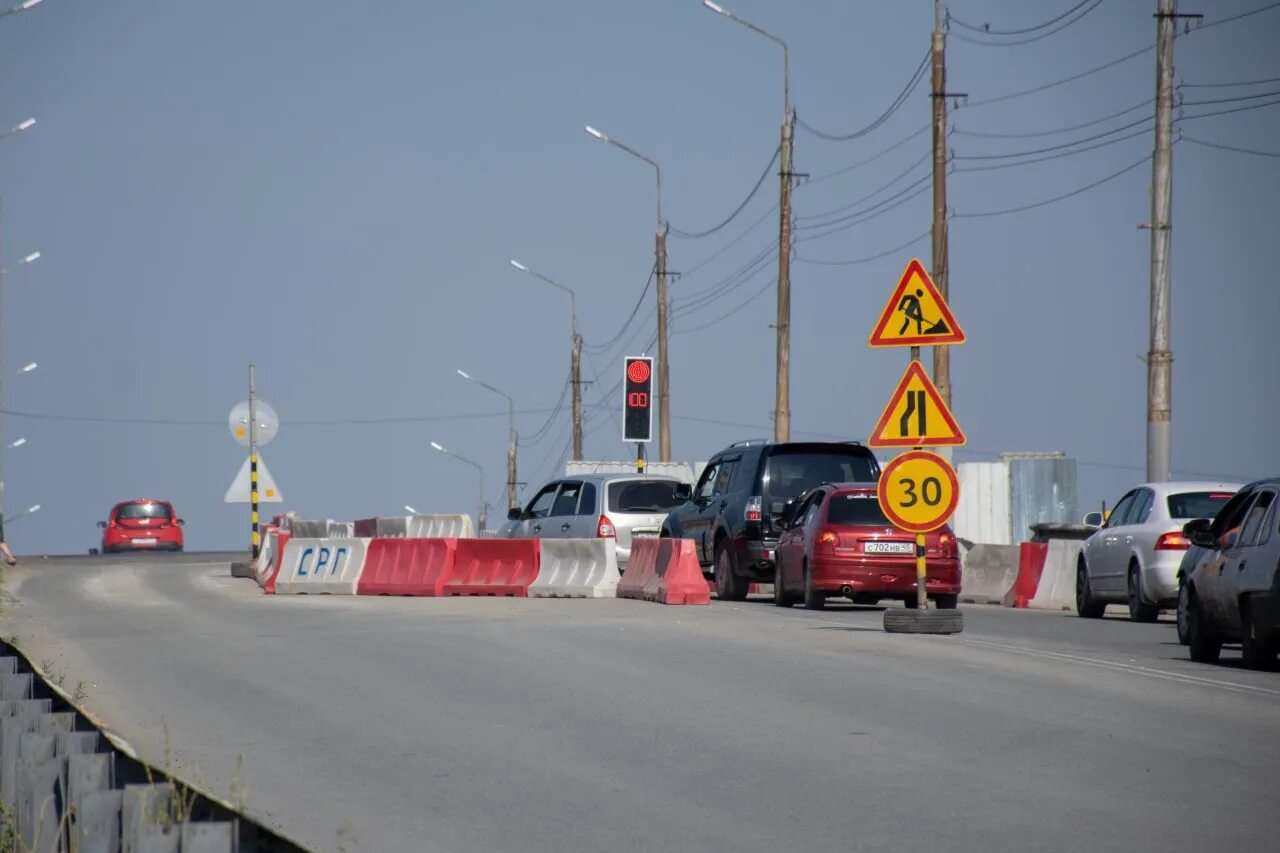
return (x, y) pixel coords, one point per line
(918, 491)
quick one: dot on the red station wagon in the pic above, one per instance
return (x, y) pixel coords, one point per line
(142, 525)
(837, 542)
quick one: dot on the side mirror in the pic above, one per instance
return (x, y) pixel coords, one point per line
(102, 524)
(513, 514)
(181, 523)
(1093, 519)
(684, 492)
(1198, 533)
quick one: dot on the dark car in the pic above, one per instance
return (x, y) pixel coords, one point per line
(1233, 593)
(732, 513)
(837, 542)
(142, 525)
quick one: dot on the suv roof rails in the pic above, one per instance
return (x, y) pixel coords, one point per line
(750, 441)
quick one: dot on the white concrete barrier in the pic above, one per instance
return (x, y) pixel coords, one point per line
(339, 529)
(576, 568)
(988, 573)
(321, 566)
(440, 527)
(1057, 589)
(306, 528)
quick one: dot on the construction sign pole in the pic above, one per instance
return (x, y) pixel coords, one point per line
(253, 461)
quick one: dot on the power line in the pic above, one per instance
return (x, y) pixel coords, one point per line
(995, 166)
(1259, 10)
(880, 208)
(869, 258)
(1183, 118)
(727, 246)
(1039, 36)
(916, 77)
(1038, 133)
(541, 432)
(697, 235)
(986, 28)
(752, 266)
(1228, 85)
(607, 345)
(407, 419)
(1071, 79)
(844, 171)
(1145, 120)
(1229, 147)
(1055, 199)
(926, 156)
(761, 292)
(1214, 101)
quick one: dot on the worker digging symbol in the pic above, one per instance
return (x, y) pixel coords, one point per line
(910, 305)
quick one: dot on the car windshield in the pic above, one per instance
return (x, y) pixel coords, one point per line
(855, 508)
(1197, 504)
(792, 473)
(642, 496)
(143, 511)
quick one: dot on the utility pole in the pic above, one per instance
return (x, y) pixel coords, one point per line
(1159, 357)
(511, 467)
(575, 370)
(782, 401)
(938, 91)
(2, 338)
(664, 375)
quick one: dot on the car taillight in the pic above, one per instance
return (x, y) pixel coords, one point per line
(1174, 541)
(947, 544)
(755, 506)
(605, 529)
(827, 537)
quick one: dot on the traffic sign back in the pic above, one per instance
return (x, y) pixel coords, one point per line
(918, 491)
(916, 415)
(916, 314)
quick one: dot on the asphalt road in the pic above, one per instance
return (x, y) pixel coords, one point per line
(500, 725)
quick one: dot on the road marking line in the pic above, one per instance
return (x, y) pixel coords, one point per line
(1130, 668)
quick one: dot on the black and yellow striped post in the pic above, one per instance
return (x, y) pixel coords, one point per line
(253, 462)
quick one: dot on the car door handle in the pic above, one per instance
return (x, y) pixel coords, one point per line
(1241, 566)
(537, 528)
(564, 526)
(1128, 540)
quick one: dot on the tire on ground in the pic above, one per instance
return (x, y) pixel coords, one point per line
(906, 621)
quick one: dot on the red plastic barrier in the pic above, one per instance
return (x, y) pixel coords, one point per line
(269, 586)
(493, 567)
(1031, 556)
(407, 566)
(365, 528)
(665, 571)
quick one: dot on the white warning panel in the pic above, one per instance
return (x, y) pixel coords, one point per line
(268, 493)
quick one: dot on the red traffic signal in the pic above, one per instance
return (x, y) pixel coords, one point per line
(637, 404)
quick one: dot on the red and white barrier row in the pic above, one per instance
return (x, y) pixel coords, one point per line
(661, 570)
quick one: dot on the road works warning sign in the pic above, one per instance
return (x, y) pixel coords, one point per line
(916, 314)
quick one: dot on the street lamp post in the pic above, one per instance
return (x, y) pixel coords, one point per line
(575, 361)
(511, 436)
(26, 260)
(782, 404)
(660, 274)
(21, 7)
(480, 518)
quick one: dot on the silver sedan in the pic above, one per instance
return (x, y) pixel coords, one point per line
(1133, 557)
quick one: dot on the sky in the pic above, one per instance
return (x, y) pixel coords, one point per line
(333, 191)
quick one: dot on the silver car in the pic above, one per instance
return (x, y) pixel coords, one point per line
(1134, 556)
(607, 506)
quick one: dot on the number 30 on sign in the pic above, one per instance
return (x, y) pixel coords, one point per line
(918, 491)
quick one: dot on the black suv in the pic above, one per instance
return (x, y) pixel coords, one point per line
(732, 513)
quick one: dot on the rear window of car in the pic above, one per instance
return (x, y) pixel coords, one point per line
(847, 508)
(1197, 504)
(791, 473)
(642, 496)
(143, 511)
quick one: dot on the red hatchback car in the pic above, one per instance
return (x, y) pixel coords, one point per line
(837, 542)
(142, 525)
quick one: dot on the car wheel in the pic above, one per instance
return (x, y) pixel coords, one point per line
(1205, 646)
(814, 599)
(729, 587)
(1086, 605)
(781, 598)
(1258, 654)
(946, 602)
(1139, 610)
(1184, 636)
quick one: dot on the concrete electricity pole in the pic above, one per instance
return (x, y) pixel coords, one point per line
(782, 402)
(660, 271)
(575, 362)
(1159, 357)
(938, 91)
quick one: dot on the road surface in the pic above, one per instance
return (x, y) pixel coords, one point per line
(389, 724)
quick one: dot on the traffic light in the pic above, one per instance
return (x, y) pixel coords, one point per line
(637, 404)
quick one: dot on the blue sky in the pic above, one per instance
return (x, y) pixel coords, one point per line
(333, 190)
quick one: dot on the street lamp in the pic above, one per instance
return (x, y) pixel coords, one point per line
(782, 403)
(16, 444)
(410, 510)
(660, 273)
(473, 464)
(511, 436)
(26, 125)
(575, 361)
(31, 510)
(21, 7)
(27, 368)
